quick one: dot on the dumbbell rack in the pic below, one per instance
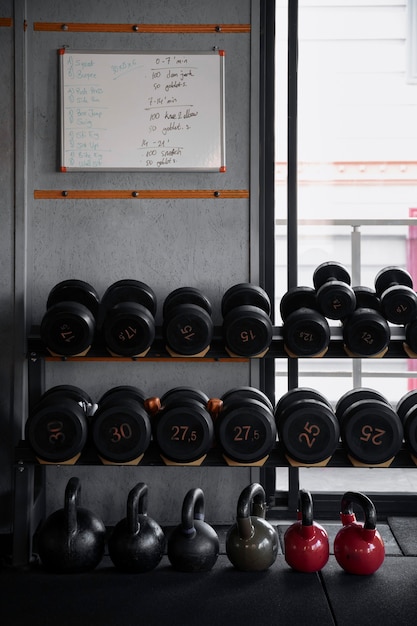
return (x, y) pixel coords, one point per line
(217, 352)
(29, 473)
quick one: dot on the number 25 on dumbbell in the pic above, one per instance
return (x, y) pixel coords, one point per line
(371, 431)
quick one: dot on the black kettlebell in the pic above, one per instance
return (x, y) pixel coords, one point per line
(252, 543)
(193, 546)
(137, 543)
(72, 539)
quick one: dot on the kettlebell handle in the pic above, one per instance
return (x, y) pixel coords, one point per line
(72, 496)
(192, 509)
(305, 506)
(368, 507)
(251, 502)
(137, 504)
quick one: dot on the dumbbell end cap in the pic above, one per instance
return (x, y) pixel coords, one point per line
(185, 356)
(135, 461)
(70, 461)
(357, 463)
(235, 355)
(295, 463)
(257, 463)
(195, 463)
(377, 355)
(292, 355)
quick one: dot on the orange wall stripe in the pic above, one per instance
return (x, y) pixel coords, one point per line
(152, 194)
(141, 28)
(6, 21)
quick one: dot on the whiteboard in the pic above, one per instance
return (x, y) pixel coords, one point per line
(142, 111)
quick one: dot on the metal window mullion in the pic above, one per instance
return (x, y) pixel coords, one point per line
(356, 280)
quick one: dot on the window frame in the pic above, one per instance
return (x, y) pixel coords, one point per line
(284, 503)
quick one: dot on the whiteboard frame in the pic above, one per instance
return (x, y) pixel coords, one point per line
(222, 131)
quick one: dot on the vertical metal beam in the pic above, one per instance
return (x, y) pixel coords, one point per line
(256, 205)
(28, 492)
(21, 213)
(292, 207)
(292, 158)
(292, 152)
(356, 280)
(266, 198)
(356, 254)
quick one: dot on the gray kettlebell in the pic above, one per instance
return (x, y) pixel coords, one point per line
(72, 539)
(193, 546)
(252, 542)
(137, 543)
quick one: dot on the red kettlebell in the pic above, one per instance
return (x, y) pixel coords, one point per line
(358, 548)
(306, 544)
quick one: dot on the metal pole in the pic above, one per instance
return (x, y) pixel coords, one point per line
(292, 213)
(266, 367)
(356, 280)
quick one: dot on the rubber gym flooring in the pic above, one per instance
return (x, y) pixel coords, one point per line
(224, 595)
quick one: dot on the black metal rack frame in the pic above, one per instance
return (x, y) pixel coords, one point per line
(29, 504)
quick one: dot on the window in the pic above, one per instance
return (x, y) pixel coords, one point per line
(357, 182)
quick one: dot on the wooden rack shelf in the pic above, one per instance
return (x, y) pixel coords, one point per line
(25, 456)
(217, 352)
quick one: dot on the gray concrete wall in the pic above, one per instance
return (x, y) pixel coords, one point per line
(210, 244)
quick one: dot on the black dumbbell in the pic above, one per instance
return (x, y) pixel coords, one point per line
(121, 428)
(306, 331)
(394, 287)
(245, 426)
(187, 324)
(371, 430)
(183, 427)
(335, 297)
(407, 412)
(247, 326)
(366, 332)
(57, 427)
(307, 426)
(69, 324)
(127, 319)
